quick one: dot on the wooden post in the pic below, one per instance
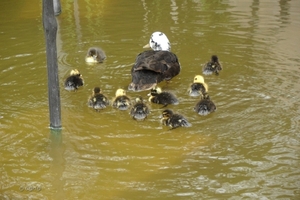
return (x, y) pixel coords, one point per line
(57, 7)
(50, 29)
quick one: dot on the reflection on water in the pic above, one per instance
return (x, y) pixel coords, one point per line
(247, 149)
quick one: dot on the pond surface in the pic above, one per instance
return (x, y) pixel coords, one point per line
(248, 149)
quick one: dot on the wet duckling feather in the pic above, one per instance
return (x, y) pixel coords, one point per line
(97, 100)
(213, 66)
(95, 55)
(162, 97)
(174, 120)
(140, 110)
(121, 101)
(74, 81)
(198, 87)
(205, 105)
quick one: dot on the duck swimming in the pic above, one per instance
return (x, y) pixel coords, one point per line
(154, 66)
(95, 55)
(140, 110)
(174, 120)
(160, 97)
(97, 100)
(213, 66)
(198, 87)
(74, 80)
(121, 101)
(205, 105)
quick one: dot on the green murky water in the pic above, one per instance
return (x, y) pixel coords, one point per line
(247, 149)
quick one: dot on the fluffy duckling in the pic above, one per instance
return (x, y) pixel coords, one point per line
(121, 101)
(97, 100)
(198, 87)
(205, 105)
(140, 110)
(95, 55)
(154, 66)
(160, 97)
(213, 66)
(173, 120)
(74, 81)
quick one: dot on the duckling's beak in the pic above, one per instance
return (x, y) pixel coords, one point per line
(149, 94)
(146, 46)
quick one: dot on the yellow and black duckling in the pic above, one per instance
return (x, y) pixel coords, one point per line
(74, 81)
(140, 110)
(198, 87)
(121, 101)
(160, 97)
(205, 105)
(213, 66)
(95, 55)
(98, 101)
(154, 66)
(174, 120)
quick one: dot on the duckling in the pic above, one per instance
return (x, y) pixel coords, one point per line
(159, 97)
(121, 101)
(198, 87)
(140, 110)
(154, 66)
(95, 55)
(213, 66)
(205, 105)
(97, 100)
(74, 81)
(174, 120)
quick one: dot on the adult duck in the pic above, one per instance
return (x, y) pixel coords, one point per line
(154, 66)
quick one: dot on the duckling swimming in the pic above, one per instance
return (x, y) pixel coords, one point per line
(159, 97)
(74, 80)
(95, 55)
(154, 66)
(140, 110)
(213, 66)
(97, 100)
(205, 105)
(198, 87)
(121, 101)
(174, 120)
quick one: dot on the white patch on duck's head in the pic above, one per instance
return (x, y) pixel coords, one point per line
(159, 42)
(199, 79)
(120, 92)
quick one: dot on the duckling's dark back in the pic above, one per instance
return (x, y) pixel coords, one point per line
(205, 106)
(165, 98)
(139, 111)
(98, 101)
(73, 82)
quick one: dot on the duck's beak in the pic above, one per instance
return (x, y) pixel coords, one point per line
(146, 46)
